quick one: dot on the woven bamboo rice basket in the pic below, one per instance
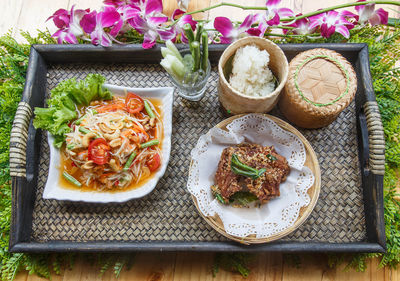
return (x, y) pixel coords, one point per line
(320, 85)
(235, 102)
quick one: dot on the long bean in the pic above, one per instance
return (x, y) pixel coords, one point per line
(71, 179)
(204, 58)
(83, 130)
(149, 143)
(70, 146)
(129, 162)
(79, 121)
(148, 109)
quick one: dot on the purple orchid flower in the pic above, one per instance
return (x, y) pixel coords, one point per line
(301, 27)
(94, 24)
(330, 23)
(117, 3)
(181, 22)
(367, 13)
(127, 13)
(68, 24)
(228, 31)
(148, 21)
(261, 18)
(151, 29)
(148, 7)
(270, 18)
(60, 18)
(274, 13)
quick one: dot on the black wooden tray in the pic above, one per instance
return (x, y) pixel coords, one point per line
(29, 229)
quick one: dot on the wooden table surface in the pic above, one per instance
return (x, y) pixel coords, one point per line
(30, 15)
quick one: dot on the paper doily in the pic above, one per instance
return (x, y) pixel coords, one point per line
(276, 215)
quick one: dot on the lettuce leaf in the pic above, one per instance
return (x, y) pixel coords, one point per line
(62, 105)
(94, 83)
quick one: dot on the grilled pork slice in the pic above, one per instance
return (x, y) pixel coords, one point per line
(256, 156)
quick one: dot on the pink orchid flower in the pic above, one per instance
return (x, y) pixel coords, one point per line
(116, 3)
(148, 7)
(181, 22)
(60, 18)
(270, 18)
(229, 32)
(261, 18)
(274, 13)
(68, 24)
(95, 23)
(127, 13)
(301, 27)
(148, 21)
(368, 13)
(151, 28)
(330, 23)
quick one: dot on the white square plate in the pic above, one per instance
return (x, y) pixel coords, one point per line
(53, 189)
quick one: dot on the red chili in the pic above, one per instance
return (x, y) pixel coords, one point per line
(99, 151)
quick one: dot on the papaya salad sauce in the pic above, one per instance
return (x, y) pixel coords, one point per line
(150, 164)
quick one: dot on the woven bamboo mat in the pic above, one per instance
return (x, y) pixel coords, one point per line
(168, 214)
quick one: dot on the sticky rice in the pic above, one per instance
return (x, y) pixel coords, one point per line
(250, 73)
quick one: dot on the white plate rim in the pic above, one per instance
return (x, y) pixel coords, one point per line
(53, 190)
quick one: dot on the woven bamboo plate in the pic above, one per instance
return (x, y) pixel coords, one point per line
(311, 162)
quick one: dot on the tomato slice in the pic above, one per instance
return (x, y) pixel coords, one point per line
(154, 162)
(99, 151)
(133, 103)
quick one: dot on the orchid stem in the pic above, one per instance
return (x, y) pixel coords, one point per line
(285, 35)
(396, 3)
(282, 27)
(227, 4)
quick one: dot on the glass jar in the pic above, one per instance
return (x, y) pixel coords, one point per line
(193, 86)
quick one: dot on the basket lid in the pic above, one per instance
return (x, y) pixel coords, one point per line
(321, 80)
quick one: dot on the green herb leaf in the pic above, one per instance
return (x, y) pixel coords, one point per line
(242, 169)
(242, 198)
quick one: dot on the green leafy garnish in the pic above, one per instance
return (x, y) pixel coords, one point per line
(63, 101)
(242, 198)
(242, 169)
(271, 157)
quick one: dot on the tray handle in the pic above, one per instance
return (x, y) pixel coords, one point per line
(18, 139)
(376, 138)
